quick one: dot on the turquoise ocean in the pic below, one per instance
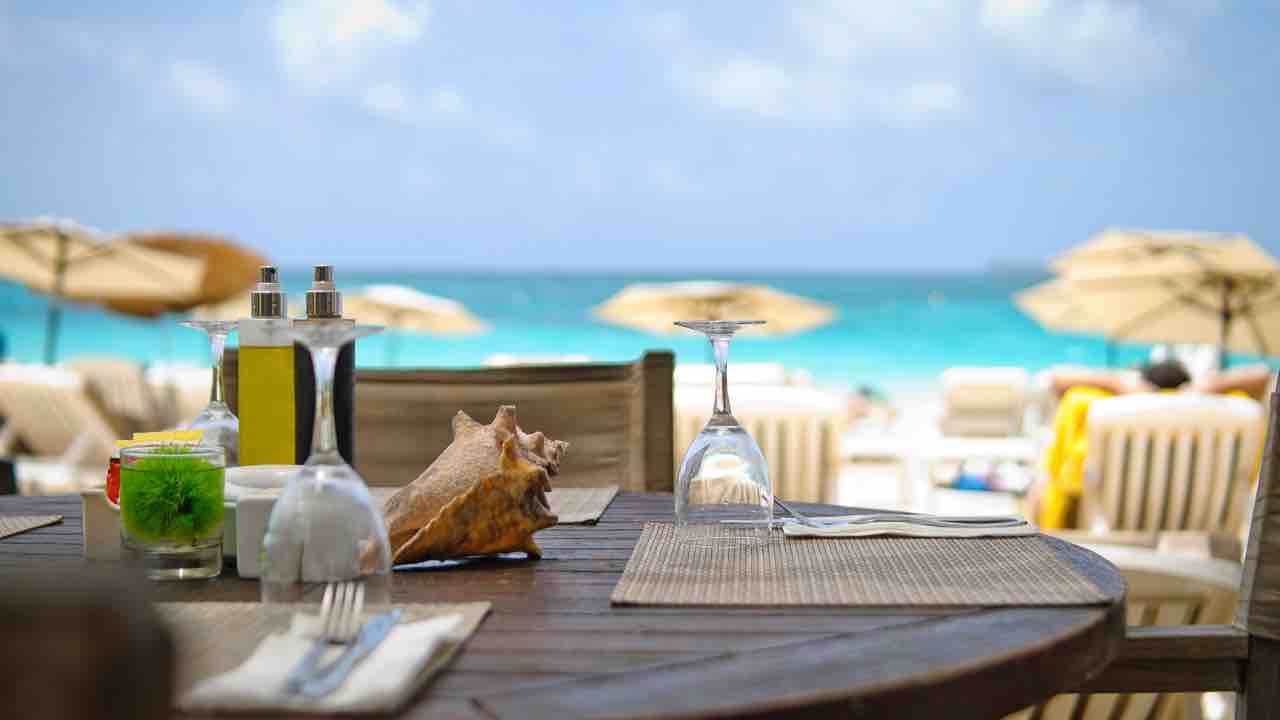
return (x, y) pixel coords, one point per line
(894, 332)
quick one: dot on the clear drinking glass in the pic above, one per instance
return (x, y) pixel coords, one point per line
(221, 426)
(723, 495)
(325, 527)
(171, 509)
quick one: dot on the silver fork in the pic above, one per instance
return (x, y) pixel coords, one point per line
(987, 521)
(340, 612)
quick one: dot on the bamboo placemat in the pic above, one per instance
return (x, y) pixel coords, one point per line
(581, 505)
(874, 571)
(14, 524)
(215, 637)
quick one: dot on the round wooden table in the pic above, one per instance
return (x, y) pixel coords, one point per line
(553, 646)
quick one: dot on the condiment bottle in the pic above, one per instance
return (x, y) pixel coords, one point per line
(266, 378)
(324, 304)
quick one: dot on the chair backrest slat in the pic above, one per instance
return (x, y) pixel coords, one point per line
(1259, 610)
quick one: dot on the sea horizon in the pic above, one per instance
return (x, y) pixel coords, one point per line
(894, 331)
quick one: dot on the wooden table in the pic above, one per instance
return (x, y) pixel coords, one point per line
(554, 647)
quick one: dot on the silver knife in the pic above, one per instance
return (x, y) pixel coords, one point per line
(330, 678)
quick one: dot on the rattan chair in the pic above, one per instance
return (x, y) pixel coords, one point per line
(616, 417)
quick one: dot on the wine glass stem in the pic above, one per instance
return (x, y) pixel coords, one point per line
(324, 441)
(217, 344)
(720, 346)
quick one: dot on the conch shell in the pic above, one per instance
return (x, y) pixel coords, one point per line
(485, 494)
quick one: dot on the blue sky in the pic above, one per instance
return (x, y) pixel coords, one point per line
(811, 135)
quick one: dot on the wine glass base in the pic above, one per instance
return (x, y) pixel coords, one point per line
(725, 535)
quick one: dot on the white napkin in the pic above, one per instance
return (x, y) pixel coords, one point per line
(793, 529)
(382, 682)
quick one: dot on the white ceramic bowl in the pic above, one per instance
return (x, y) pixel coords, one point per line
(251, 492)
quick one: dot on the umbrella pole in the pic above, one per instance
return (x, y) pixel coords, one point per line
(54, 318)
(1224, 326)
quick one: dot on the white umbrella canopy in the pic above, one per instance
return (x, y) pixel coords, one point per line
(654, 307)
(1169, 287)
(408, 310)
(69, 261)
(1115, 248)
(1055, 305)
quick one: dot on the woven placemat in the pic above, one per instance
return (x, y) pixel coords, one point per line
(215, 637)
(14, 524)
(876, 571)
(580, 505)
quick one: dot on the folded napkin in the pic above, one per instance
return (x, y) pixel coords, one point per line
(907, 529)
(382, 682)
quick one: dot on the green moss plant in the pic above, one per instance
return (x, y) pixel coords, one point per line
(171, 498)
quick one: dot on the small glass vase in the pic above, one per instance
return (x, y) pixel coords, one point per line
(723, 494)
(326, 528)
(221, 427)
(171, 509)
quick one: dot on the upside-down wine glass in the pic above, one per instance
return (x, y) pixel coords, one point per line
(326, 528)
(723, 495)
(221, 426)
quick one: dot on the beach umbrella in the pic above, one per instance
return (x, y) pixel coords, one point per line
(654, 307)
(1054, 305)
(69, 261)
(230, 271)
(405, 310)
(1202, 289)
(1114, 246)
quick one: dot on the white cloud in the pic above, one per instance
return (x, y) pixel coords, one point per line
(1100, 44)
(392, 102)
(387, 100)
(447, 101)
(847, 29)
(926, 102)
(202, 86)
(743, 83)
(323, 42)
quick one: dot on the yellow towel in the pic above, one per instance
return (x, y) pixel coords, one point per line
(1065, 458)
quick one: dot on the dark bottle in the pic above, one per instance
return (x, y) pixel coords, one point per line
(324, 304)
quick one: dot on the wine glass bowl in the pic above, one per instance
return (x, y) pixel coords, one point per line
(723, 494)
(326, 527)
(221, 427)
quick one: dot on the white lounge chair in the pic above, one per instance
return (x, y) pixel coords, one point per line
(48, 411)
(182, 392)
(798, 429)
(119, 387)
(988, 402)
(1181, 461)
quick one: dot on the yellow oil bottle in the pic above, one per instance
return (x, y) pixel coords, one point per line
(265, 383)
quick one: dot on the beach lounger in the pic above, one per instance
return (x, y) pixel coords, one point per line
(1182, 461)
(987, 402)
(181, 392)
(119, 388)
(48, 412)
(799, 430)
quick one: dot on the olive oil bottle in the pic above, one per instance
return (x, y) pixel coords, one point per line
(266, 381)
